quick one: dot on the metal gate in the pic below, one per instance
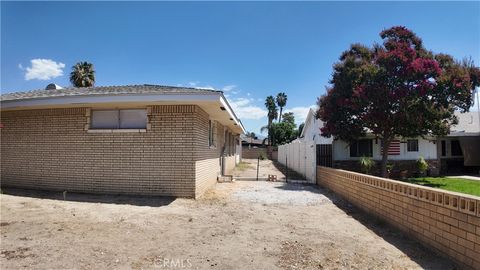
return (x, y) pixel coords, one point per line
(324, 155)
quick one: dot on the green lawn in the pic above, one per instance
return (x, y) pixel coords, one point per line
(453, 184)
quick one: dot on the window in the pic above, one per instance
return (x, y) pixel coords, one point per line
(455, 148)
(361, 148)
(119, 119)
(412, 145)
(212, 135)
(444, 148)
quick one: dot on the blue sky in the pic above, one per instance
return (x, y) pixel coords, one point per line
(249, 49)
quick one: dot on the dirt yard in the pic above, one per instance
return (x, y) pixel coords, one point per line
(239, 225)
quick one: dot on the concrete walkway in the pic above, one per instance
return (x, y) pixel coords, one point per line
(469, 177)
(247, 170)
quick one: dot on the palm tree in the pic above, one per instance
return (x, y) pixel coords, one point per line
(272, 114)
(281, 102)
(82, 75)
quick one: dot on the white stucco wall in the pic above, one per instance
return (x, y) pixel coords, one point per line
(426, 148)
(311, 131)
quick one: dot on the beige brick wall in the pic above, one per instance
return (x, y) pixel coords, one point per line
(206, 173)
(207, 159)
(50, 149)
(445, 221)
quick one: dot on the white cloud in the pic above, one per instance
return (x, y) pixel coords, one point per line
(20, 66)
(195, 84)
(43, 69)
(230, 87)
(245, 109)
(206, 87)
(300, 113)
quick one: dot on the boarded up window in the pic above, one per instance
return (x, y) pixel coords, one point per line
(133, 119)
(105, 119)
(119, 119)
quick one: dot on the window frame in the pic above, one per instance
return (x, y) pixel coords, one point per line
(356, 145)
(91, 129)
(416, 144)
(212, 140)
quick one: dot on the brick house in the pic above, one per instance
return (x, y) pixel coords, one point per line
(140, 139)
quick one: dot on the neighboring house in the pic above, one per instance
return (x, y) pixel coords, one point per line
(252, 148)
(139, 139)
(457, 152)
(253, 142)
(460, 150)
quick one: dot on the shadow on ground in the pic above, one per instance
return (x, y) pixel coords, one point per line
(291, 175)
(301, 187)
(153, 201)
(424, 183)
(416, 251)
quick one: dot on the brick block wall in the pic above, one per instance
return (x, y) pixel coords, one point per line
(253, 153)
(50, 149)
(447, 222)
(207, 158)
(206, 173)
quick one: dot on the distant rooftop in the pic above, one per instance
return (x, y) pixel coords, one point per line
(106, 90)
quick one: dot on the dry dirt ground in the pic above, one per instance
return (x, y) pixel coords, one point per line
(239, 225)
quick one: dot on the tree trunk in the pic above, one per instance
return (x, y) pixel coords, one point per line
(280, 116)
(270, 131)
(385, 145)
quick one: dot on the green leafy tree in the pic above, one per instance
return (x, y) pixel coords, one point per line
(251, 135)
(281, 102)
(82, 75)
(288, 118)
(285, 131)
(398, 89)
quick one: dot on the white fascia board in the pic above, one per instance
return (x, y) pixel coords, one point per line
(231, 113)
(92, 99)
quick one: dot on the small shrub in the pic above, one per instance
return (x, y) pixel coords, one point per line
(422, 165)
(390, 168)
(262, 156)
(366, 163)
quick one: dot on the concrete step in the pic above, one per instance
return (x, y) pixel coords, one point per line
(225, 178)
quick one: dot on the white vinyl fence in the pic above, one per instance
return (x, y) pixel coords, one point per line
(300, 157)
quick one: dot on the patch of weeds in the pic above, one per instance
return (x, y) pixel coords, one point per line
(242, 166)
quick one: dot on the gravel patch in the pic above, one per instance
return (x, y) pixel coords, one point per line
(280, 193)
